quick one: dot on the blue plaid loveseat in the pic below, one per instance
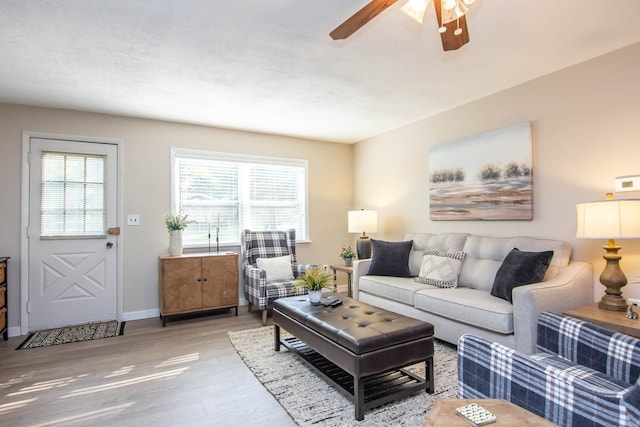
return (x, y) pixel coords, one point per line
(258, 290)
(582, 375)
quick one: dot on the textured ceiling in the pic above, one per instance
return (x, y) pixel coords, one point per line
(270, 66)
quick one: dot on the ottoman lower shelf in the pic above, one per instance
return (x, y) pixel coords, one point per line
(378, 389)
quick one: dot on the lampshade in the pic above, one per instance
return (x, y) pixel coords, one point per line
(609, 219)
(363, 221)
(415, 9)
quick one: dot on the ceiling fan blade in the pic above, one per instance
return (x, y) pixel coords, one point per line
(451, 41)
(361, 17)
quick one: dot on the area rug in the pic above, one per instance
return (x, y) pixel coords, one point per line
(311, 401)
(77, 333)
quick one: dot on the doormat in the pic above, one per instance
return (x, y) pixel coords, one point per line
(76, 333)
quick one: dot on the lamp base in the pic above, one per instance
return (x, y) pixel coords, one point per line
(613, 279)
(363, 247)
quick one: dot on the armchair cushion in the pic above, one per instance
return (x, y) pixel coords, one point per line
(278, 269)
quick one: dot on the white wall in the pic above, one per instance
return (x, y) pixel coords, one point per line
(586, 131)
(147, 146)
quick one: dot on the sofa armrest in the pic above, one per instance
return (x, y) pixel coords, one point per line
(571, 288)
(360, 268)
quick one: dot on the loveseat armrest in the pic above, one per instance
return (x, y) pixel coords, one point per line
(614, 354)
(360, 268)
(571, 288)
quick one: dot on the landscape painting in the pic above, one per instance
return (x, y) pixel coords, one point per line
(483, 177)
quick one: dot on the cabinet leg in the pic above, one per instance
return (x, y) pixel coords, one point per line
(236, 311)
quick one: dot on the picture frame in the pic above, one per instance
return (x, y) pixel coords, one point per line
(488, 176)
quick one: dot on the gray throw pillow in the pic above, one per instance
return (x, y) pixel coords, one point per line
(520, 268)
(390, 258)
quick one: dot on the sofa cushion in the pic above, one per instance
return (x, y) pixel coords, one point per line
(390, 258)
(471, 306)
(520, 268)
(278, 269)
(440, 268)
(422, 241)
(399, 289)
(485, 255)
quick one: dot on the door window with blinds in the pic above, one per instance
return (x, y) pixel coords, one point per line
(72, 196)
(222, 194)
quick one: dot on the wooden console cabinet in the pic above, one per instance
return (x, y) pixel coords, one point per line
(4, 327)
(197, 282)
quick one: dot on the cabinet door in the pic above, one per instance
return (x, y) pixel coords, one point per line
(221, 287)
(181, 290)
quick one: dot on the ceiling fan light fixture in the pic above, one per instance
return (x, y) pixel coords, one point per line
(469, 1)
(457, 12)
(449, 4)
(415, 9)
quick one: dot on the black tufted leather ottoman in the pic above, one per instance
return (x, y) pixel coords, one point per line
(358, 347)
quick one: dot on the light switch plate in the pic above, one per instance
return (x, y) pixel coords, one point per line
(133, 219)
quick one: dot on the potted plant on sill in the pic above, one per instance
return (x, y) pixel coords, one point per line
(176, 223)
(315, 280)
(346, 253)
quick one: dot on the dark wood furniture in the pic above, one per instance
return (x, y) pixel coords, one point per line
(193, 283)
(443, 414)
(613, 320)
(4, 324)
(360, 348)
(344, 269)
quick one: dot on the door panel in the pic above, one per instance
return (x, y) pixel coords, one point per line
(72, 260)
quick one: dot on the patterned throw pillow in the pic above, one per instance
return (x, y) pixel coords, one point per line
(440, 268)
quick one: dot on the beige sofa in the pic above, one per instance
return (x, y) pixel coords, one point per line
(469, 307)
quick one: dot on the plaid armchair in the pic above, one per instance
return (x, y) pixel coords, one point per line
(582, 375)
(258, 290)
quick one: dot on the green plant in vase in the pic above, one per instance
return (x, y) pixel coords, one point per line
(175, 224)
(347, 254)
(315, 280)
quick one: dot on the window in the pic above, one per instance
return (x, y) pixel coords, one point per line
(72, 195)
(234, 192)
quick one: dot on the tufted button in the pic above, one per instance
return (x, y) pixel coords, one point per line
(363, 324)
(345, 317)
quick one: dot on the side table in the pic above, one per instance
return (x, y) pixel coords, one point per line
(443, 414)
(613, 320)
(344, 269)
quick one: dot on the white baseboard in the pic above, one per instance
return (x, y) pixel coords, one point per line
(14, 331)
(137, 315)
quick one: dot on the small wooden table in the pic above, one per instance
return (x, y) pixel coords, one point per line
(443, 414)
(344, 269)
(614, 320)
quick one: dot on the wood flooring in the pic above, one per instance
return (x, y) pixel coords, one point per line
(187, 374)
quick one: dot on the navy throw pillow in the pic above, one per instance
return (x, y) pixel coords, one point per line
(390, 258)
(520, 268)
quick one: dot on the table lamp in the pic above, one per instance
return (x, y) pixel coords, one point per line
(360, 222)
(610, 219)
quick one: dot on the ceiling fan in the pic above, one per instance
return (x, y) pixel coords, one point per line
(452, 22)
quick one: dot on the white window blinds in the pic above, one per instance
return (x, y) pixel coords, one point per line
(238, 192)
(72, 195)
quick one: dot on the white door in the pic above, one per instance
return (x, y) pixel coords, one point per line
(72, 235)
